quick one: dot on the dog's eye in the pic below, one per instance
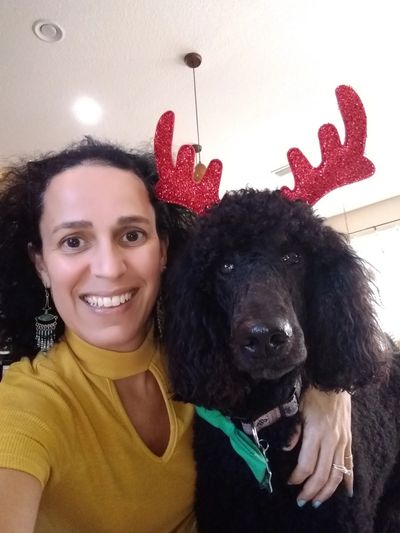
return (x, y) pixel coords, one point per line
(291, 258)
(227, 268)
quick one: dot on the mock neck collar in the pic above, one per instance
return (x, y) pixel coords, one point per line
(111, 364)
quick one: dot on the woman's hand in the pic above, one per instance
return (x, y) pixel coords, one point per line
(326, 441)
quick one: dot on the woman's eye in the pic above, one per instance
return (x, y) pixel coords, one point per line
(133, 236)
(72, 242)
(291, 258)
(227, 268)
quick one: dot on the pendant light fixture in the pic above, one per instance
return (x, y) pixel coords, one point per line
(193, 60)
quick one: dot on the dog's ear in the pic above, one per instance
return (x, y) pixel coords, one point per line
(344, 340)
(194, 330)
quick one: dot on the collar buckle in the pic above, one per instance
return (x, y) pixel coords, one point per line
(284, 410)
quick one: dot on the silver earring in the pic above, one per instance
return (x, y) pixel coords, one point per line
(45, 325)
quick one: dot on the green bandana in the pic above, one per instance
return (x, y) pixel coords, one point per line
(242, 444)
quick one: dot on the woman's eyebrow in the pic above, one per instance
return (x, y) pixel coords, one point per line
(132, 220)
(73, 225)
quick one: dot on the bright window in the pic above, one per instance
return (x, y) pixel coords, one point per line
(380, 247)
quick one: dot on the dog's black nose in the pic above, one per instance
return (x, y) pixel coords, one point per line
(261, 338)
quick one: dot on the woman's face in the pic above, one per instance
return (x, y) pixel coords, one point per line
(101, 256)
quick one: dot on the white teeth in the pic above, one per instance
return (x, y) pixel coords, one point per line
(108, 301)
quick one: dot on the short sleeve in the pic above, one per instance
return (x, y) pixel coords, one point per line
(24, 443)
(31, 420)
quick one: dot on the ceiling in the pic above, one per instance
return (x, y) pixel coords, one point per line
(266, 83)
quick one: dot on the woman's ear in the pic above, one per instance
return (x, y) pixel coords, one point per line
(39, 264)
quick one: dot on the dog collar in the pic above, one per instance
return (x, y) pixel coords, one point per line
(285, 410)
(251, 453)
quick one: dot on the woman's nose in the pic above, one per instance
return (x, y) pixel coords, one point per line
(108, 261)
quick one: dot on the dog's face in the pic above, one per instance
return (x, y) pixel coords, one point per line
(243, 278)
(262, 289)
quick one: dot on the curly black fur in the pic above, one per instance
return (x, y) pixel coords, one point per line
(263, 293)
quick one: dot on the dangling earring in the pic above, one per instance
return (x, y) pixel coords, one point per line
(45, 325)
(159, 317)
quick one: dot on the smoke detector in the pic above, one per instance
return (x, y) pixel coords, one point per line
(48, 31)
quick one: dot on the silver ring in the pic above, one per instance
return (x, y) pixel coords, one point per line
(343, 469)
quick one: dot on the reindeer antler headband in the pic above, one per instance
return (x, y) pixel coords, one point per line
(176, 184)
(341, 164)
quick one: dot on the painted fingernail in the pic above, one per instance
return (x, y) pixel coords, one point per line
(301, 503)
(316, 504)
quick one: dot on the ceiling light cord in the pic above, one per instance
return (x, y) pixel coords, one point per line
(197, 114)
(193, 60)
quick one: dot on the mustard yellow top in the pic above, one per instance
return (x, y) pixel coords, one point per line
(61, 420)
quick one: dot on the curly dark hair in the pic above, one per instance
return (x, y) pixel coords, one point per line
(235, 257)
(263, 294)
(22, 189)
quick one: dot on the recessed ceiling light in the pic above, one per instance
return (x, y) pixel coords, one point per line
(87, 111)
(48, 31)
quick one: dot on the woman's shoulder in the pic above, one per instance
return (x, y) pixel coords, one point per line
(42, 366)
(29, 384)
(35, 416)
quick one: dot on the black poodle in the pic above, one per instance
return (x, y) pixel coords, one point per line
(265, 300)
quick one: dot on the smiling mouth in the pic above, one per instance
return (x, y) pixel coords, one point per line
(100, 302)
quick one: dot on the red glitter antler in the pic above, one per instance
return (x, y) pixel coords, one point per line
(341, 163)
(176, 184)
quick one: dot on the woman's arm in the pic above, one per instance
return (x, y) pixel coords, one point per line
(326, 441)
(20, 495)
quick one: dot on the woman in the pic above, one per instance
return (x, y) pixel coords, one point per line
(89, 437)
